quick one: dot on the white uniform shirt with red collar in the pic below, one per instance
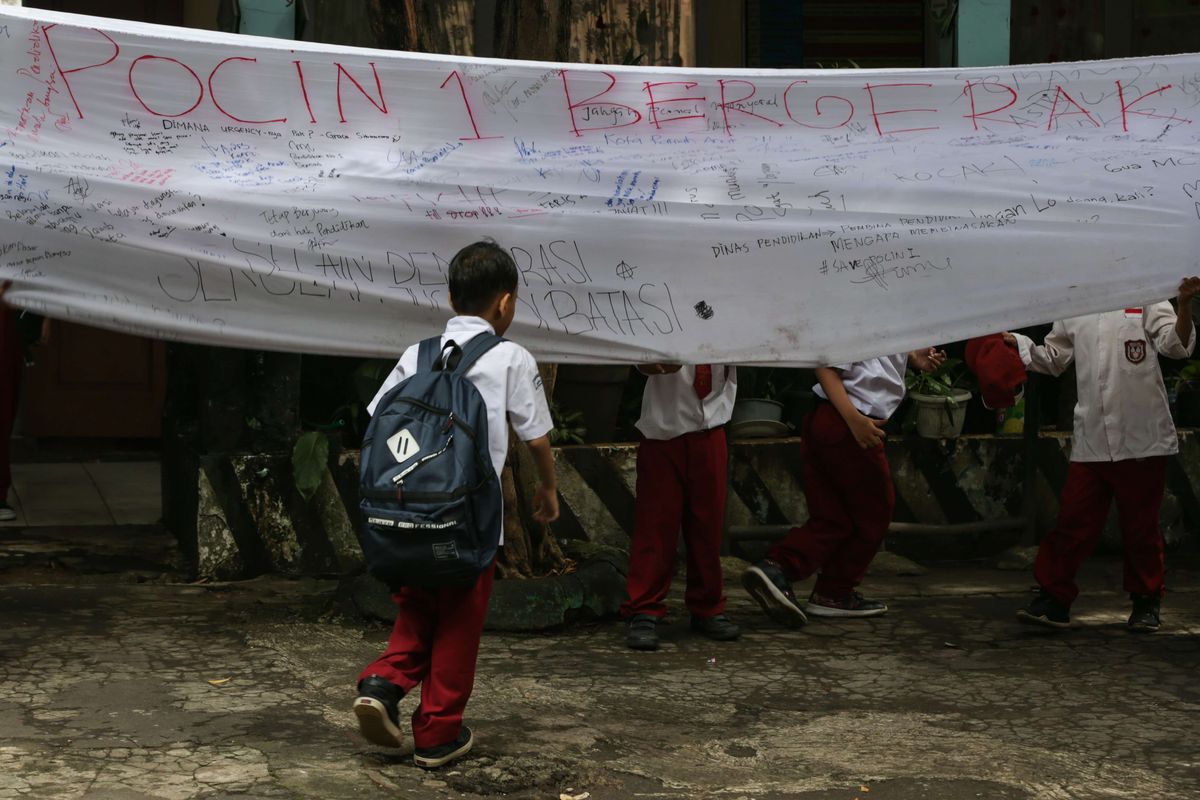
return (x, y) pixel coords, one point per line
(671, 407)
(875, 386)
(1122, 412)
(507, 378)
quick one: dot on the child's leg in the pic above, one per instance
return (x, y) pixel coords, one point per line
(447, 688)
(1083, 508)
(657, 516)
(1139, 486)
(864, 480)
(826, 440)
(405, 660)
(704, 521)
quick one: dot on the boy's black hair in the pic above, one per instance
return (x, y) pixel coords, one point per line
(478, 273)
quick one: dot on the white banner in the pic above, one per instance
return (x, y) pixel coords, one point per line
(288, 195)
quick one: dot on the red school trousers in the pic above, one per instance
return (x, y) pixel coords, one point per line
(1137, 485)
(435, 643)
(681, 484)
(850, 502)
(10, 390)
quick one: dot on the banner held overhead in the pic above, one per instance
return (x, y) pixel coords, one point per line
(289, 195)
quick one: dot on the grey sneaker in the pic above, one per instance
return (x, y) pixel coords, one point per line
(767, 584)
(852, 605)
(7, 514)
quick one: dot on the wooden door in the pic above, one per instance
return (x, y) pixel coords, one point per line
(88, 382)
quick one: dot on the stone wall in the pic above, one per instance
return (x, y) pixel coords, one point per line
(251, 520)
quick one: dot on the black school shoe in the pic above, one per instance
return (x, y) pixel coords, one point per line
(443, 754)
(767, 584)
(1146, 617)
(643, 633)
(719, 628)
(377, 711)
(1046, 610)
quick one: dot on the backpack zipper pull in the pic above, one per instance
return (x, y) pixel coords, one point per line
(449, 423)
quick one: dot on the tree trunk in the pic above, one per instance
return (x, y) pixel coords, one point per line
(426, 26)
(530, 549)
(597, 31)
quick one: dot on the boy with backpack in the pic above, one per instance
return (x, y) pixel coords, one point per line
(432, 459)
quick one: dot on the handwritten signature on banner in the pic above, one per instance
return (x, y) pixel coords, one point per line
(299, 196)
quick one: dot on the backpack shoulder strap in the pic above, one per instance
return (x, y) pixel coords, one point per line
(428, 353)
(474, 349)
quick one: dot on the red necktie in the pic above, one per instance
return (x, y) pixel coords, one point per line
(703, 381)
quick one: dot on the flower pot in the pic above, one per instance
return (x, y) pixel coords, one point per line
(940, 417)
(754, 418)
(752, 409)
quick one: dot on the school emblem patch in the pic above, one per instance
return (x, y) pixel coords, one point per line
(1135, 351)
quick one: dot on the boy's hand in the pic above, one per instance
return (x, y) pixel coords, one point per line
(1009, 340)
(545, 505)
(927, 360)
(1188, 288)
(867, 432)
(659, 369)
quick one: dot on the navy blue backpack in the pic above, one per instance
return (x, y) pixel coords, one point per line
(431, 501)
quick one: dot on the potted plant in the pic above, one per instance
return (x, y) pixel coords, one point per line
(939, 399)
(757, 413)
(1186, 391)
(568, 426)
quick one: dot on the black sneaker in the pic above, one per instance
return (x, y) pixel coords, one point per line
(852, 605)
(643, 633)
(1145, 617)
(767, 584)
(377, 711)
(443, 754)
(1046, 610)
(719, 628)
(7, 514)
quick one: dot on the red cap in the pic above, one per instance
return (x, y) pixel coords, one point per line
(998, 369)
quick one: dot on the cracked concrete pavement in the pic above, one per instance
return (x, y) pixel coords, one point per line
(116, 687)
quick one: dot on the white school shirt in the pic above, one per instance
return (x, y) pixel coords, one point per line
(507, 378)
(875, 386)
(670, 406)
(1122, 411)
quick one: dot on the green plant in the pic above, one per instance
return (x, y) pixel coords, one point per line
(568, 428)
(309, 458)
(946, 381)
(1189, 375)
